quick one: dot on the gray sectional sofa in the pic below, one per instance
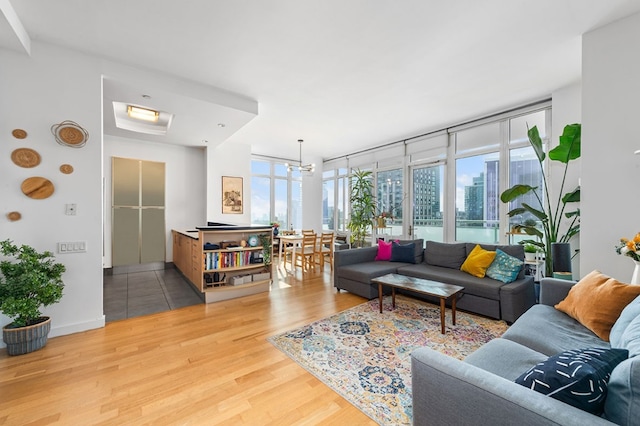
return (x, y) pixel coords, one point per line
(354, 269)
(482, 389)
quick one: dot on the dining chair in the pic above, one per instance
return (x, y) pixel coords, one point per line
(325, 248)
(305, 255)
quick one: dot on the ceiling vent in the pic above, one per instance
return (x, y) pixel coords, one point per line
(138, 118)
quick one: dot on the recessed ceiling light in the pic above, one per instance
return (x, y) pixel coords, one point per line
(142, 113)
(221, 125)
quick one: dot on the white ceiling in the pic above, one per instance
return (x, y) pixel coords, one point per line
(342, 75)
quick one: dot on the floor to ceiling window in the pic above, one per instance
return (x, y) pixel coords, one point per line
(477, 183)
(389, 200)
(276, 194)
(455, 178)
(334, 202)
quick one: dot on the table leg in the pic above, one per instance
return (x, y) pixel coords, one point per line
(442, 315)
(380, 295)
(393, 297)
(453, 309)
(280, 252)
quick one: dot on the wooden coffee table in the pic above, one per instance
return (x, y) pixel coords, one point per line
(432, 288)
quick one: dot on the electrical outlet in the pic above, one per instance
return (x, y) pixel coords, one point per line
(70, 209)
(72, 247)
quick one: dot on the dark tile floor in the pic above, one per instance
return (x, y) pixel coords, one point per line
(143, 293)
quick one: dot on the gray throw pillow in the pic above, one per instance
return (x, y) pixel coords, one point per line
(628, 314)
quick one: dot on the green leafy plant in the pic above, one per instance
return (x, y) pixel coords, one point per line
(265, 242)
(551, 212)
(530, 248)
(363, 206)
(29, 282)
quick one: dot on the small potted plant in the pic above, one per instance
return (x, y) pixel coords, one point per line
(27, 283)
(530, 251)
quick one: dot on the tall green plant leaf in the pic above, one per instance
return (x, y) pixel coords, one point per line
(569, 146)
(516, 191)
(536, 143)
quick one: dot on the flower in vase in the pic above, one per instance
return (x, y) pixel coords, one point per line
(630, 247)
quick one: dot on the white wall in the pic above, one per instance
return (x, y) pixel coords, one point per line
(228, 159)
(185, 183)
(312, 197)
(610, 171)
(46, 88)
(566, 109)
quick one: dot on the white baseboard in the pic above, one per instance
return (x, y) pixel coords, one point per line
(72, 328)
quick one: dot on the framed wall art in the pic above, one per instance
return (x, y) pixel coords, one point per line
(231, 195)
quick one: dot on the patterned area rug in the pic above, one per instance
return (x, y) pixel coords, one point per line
(365, 355)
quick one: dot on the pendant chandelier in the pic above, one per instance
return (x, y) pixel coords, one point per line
(301, 167)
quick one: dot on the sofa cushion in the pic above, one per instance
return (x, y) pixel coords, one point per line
(577, 377)
(630, 339)
(447, 255)
(403, 252)
(418, 248)
(597, 300)
(505, 358)
(384, 250)
(504, 267)
(549, 331)
(364, 272)
(478, 261)
(622, 405)
(628, 314)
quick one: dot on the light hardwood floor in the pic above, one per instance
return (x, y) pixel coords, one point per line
(199, 365)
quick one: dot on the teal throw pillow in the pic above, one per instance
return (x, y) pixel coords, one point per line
(504, 267)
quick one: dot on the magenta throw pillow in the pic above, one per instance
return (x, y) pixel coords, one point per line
(384, 250)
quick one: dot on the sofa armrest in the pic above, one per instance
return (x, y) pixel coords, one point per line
(353, 256)
(554, 290)
(447, 391)
(516, 297)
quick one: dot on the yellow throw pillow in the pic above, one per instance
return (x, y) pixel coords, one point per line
(478, 261)
(596, 302)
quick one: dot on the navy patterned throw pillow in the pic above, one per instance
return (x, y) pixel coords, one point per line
(578, 377)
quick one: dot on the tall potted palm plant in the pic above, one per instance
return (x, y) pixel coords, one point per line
(363, 206)
(549, 212)
(27, 283)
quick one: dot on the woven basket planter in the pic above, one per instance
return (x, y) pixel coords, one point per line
(23, 340)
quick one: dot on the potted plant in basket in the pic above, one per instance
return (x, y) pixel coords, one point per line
(549, 212)
(29, 282)
(363, 206)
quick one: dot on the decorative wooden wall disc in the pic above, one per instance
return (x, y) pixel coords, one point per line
(70, 133)
(67, 169)
(37, 188)
(19, 133)
(13, 216)
(25, 157)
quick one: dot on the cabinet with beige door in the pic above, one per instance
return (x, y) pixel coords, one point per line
(137, 212)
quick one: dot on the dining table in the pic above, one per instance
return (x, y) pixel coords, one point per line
(294, 239)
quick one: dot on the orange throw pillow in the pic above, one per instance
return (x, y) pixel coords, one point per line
(596, 302)
(478, 261)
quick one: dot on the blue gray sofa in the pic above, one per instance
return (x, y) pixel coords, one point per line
(482, 389)
(354, 269)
